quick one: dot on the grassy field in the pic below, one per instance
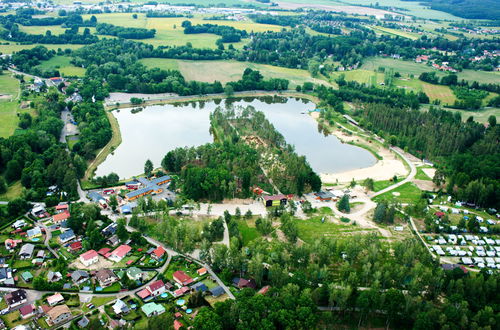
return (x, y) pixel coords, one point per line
(421, 174)
(170, 33)
(13, 47)
(407, 193)
(62, 63)
(225, 71)
(443, 93)
(248, 231)
(54, 29)
(395, 32)
(361, 76)
(409, 67)
(13, 191)
(9, 88)
(480, 116)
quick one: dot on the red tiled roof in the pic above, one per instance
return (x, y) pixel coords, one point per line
(159, 252)
(144, 293)
(61, 216)
(75, 246)
(177, 325)
(89, 255)
(121, 251)
(103, 251)
(181, 291)
(264, 289)
(27, 309)
(182, 277)
(156, 285)
(62, 207)
(202, 271)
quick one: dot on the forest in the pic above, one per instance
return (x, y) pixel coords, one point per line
(474, 9)
(124, 32)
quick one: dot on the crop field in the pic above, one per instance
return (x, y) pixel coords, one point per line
(361, 76)
(225, 71)
(54, 29)
(443, 93)
(62, 63)
(170, 32)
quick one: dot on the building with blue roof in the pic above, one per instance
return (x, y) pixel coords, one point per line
(95, 196)
(200, 286)
(150, 187)
(217, 291)
(67, 236)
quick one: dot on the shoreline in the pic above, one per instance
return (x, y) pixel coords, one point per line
(386, 165)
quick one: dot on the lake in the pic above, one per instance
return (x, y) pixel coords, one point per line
(152, 132)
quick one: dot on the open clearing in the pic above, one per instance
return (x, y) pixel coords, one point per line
(480, 116)
(395, 32)
(62, 63)
(13, 47)
(225, 71)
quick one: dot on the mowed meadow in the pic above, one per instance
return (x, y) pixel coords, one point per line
(9, 90)
(225, 71)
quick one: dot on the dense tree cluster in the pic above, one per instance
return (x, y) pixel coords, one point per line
(27, 59)
(253, 80)
(124, 32)
(227, 33)
(487, 9)
(469, 154)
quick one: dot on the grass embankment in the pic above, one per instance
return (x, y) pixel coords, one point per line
(115, 141)
(14, 190)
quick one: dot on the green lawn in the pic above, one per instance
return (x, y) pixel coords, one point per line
(14, 47)
(421, 174)
(408, 193)
(8, 84)
(62, 63)
(98, 301)
(9, 90)
(115, 287)
(312, 229)
(379, 185)
(248, 231)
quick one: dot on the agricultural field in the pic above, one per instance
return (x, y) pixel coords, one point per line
(415, 69)
(62, 63)
(170, 33)
(225, 71)
(480, 116)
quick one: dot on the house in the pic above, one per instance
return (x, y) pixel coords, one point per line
(106, 277)
(79, 276)
(151, 309)
(15, 298)
(11, 244)
(119, 253)
(202, 271)
(38, 211)
(113, 240)
(96, 197)
(110, 229)
(27, 276)
(60, 217)
(275, 200)
(83, 322)
(134, 274)
(182, 291)
(156, 288)
(33, 233)
(144, 294)
(88, 258)
(62, 207)
(158, 253)
(119, 307)
(182, 278)
(151, 189)
(19, 224)
(58, 314)
(67, 236)
(200, 286)
(243, 283)
(54, 276)
(264, 289)
(324, 196)
(217, 291)
(55, 299)
(27, 311)
(178, 324)
(104, 251)
(26, 251)
(76, 246)
(5, 274)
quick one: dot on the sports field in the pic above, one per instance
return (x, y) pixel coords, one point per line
(62, 63)
(225, 71)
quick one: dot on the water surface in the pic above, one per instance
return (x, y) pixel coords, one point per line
(151, 133)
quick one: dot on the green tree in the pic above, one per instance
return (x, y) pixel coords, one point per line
(369, 184)
(148, 168)
(207, 320)
(3, 185)
(122, 232)
(113, 202)
(343, 204)
(229, 90)
(17, 207)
